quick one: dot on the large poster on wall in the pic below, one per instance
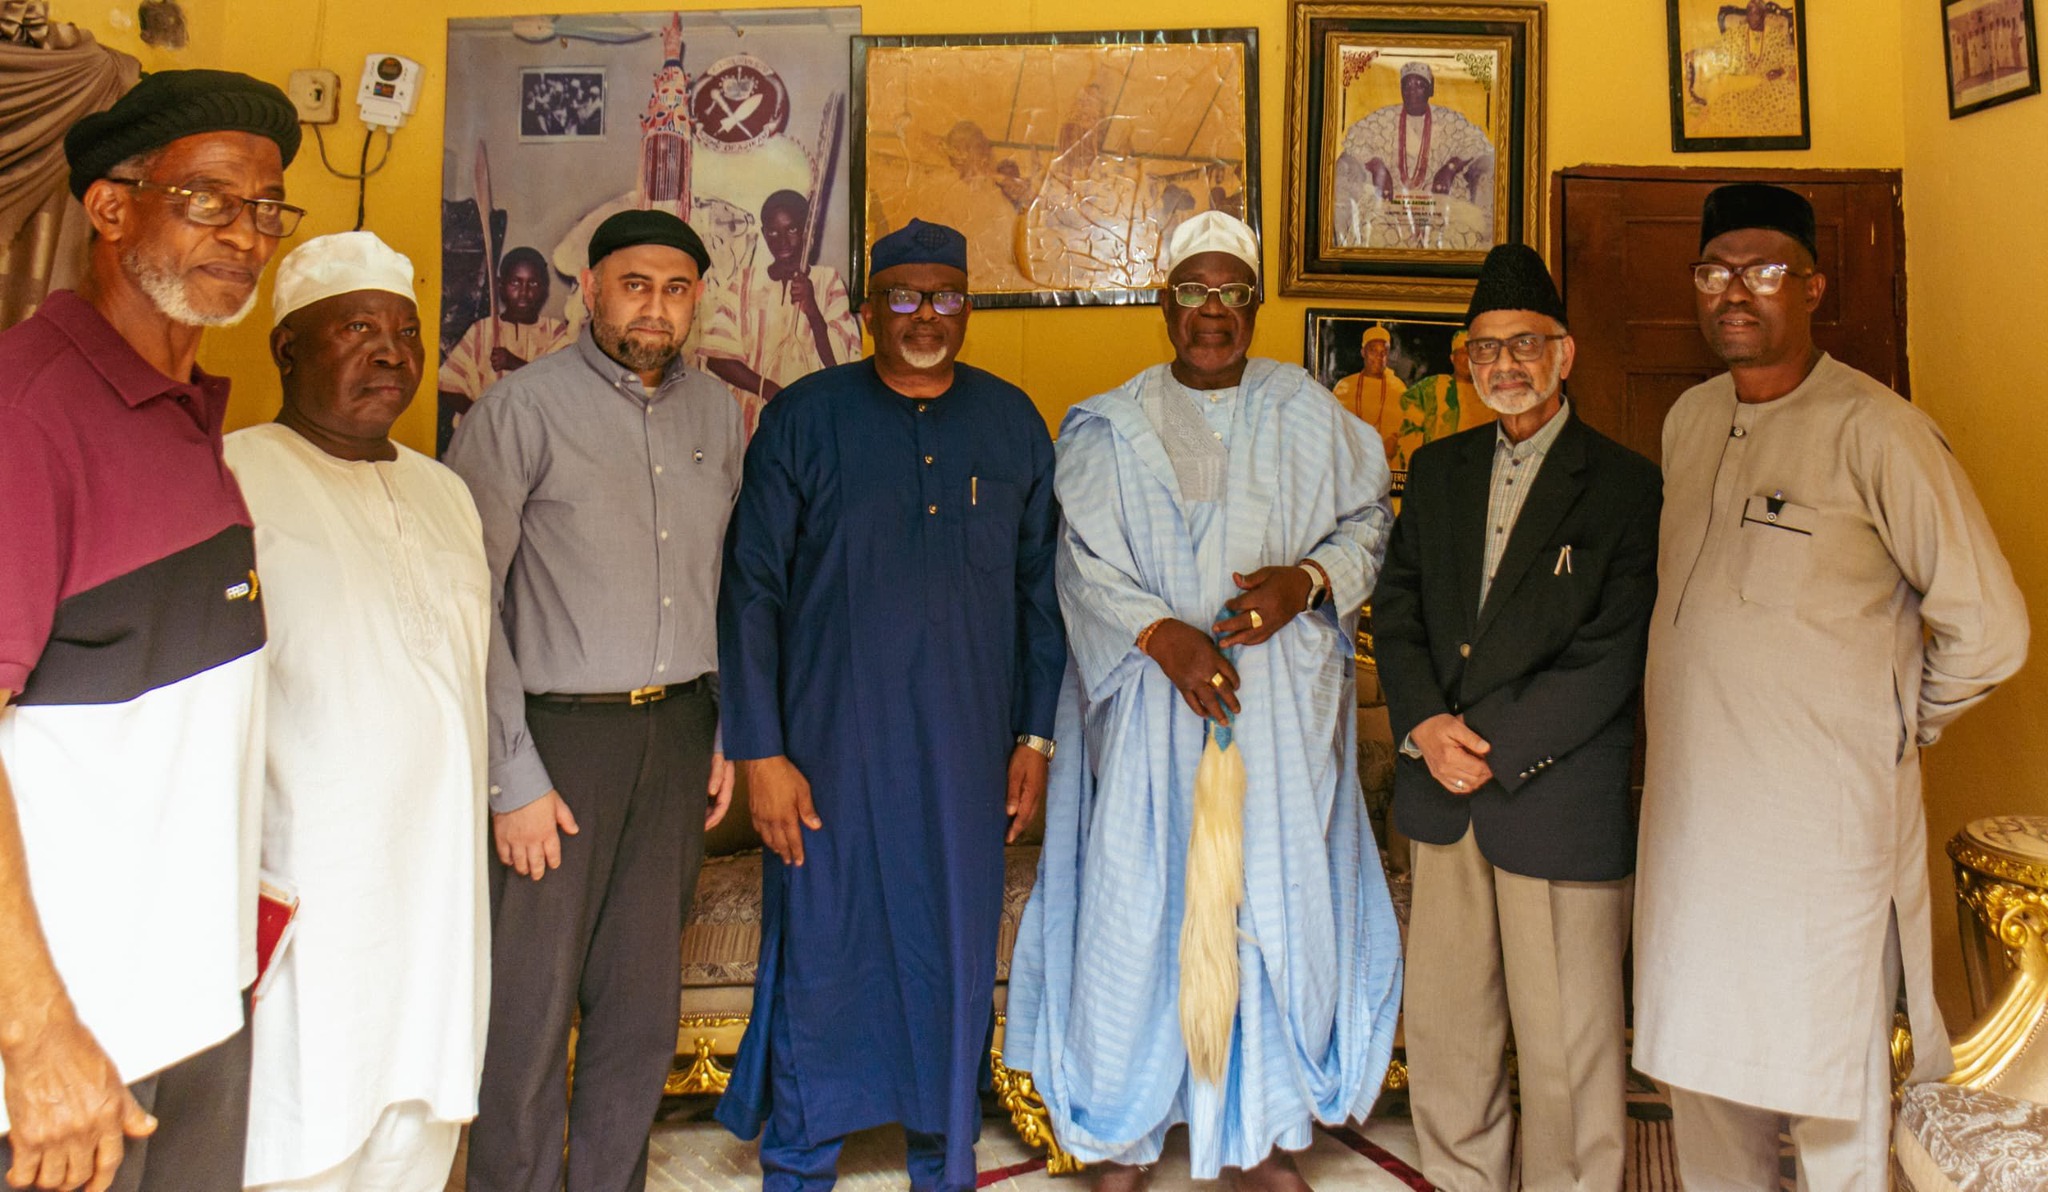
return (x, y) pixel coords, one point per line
(734, 120)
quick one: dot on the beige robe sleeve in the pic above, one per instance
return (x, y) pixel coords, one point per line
(1935, 528)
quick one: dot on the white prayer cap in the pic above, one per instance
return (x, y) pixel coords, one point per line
(1417, 67)
(338, 264)
(1212, 231)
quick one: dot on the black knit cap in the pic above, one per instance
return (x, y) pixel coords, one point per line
(1514, 277)
(171, 104)
(630, 228)
(1742, 205)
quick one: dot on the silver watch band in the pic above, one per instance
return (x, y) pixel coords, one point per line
(1044, 745)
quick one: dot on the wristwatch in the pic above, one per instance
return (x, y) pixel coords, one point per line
(1043, 745)
(1317, 590)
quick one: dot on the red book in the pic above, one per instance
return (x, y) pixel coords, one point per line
(277, 910)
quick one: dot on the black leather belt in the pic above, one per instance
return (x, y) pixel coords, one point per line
(643, 695)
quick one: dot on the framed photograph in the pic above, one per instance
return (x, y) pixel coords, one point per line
(1402, 372)
(1066, 159)
(561, 103)
(1992, 58)
(1416, 142)
(1738, 75)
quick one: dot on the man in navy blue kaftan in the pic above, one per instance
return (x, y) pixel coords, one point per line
(890, 653)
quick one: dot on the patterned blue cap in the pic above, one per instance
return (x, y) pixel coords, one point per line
(919, 243)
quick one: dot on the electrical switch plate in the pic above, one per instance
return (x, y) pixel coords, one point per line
(316, 93)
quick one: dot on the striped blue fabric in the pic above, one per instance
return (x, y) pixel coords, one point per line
(1093, 990)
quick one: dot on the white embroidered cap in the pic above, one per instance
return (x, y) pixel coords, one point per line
(1212, 231)
(341, 263)
(1417, 67)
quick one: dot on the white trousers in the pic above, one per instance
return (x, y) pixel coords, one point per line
(408, 1150)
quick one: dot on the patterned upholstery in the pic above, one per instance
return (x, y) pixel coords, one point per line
(723, 938)
(1954, 1139)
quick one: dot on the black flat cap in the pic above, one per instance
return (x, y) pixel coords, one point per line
(1742, 205)
(1514, 277)
(171, 104)
(630, 228)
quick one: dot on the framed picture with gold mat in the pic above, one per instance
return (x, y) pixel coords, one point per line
(1066, 159)
(1738, 75)
(1415, 134)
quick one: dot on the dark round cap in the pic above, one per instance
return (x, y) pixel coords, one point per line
(1742, 205)
(171, 104)
(1514, 277)
(919, 243)
(630, 228)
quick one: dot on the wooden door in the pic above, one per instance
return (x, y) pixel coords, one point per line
(1627, 236)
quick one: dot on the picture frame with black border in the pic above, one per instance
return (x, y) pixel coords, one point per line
(1994, 45)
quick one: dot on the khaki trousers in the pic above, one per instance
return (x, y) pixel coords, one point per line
(1725, 1146)
(1488, 951)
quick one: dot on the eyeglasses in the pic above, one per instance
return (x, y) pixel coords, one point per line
(1525, 348)
(906, 301)
(1762, 280)
(1193, 293)
(213, 209)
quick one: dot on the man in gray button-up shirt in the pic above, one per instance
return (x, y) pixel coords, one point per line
(604, 474)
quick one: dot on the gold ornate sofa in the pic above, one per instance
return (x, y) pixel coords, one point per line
(723, 936)
(1985, 1128)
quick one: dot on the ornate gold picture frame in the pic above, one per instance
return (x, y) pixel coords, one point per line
(1416, 141)
(1416, 144)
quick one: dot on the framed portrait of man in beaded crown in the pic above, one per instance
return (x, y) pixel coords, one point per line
(1417, 144)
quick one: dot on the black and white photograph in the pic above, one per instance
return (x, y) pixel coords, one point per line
(561, 105)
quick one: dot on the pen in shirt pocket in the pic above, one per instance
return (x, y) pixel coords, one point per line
(1564, 561)
(974, 490)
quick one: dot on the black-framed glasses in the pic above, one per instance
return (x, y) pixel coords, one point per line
(1234, 294)
(1762, 279)
(217, 209)
(1525, 348)
(905, 301)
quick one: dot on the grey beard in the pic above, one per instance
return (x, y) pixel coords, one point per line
(167, 290)
(1534, 397)
(924, 359)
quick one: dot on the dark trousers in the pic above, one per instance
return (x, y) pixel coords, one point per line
(201, 1105)
(599, 935)
(789, 1164)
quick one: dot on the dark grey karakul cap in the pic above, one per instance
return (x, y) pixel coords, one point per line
(1514, 277)
(171, 104)
(1742, 205)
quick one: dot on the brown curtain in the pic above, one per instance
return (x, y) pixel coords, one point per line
(44, 90)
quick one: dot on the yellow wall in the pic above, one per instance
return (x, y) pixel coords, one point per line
(1974, 219)
(1607, 104)
(1977, 257)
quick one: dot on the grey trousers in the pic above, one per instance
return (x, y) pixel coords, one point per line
(599, 935)
(201, 1105)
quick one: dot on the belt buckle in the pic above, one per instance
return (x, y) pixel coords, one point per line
(646, 695)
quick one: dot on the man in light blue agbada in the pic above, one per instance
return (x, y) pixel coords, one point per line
(1212, 504)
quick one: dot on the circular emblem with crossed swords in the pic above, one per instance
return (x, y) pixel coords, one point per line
(738, 103)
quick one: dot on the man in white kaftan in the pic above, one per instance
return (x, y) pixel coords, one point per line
(1829, 597)
(369, 1033)
(1212, 483)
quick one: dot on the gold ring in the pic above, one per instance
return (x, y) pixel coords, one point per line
(1216, 680)
(1258, 622)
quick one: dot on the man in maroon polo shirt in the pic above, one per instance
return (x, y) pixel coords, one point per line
(130, 624)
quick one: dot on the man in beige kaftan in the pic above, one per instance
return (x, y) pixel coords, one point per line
(1829, 598)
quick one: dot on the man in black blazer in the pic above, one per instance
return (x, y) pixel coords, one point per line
(1510, 624)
